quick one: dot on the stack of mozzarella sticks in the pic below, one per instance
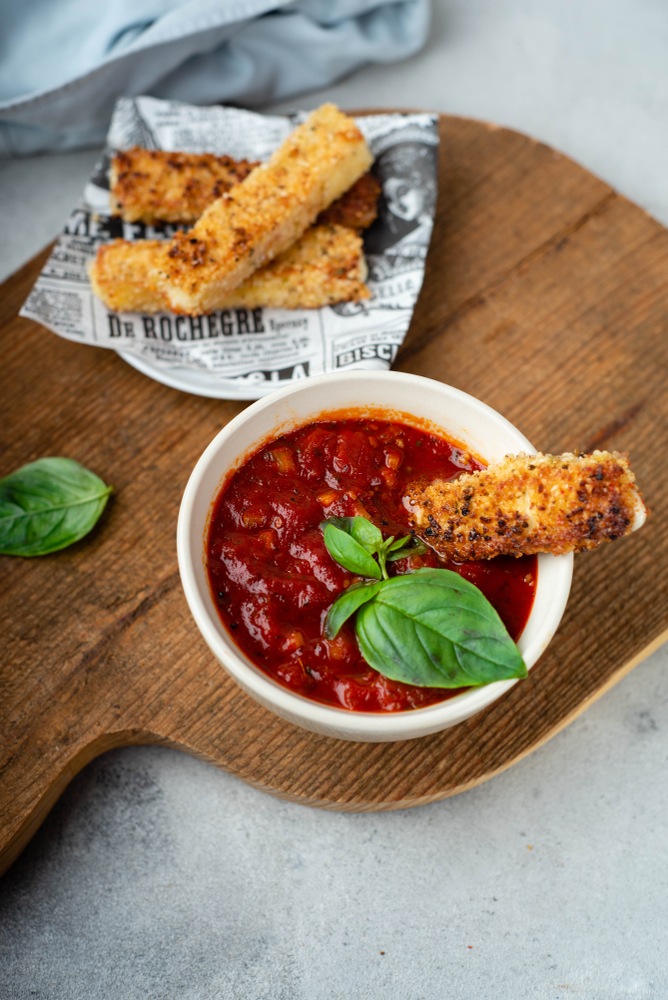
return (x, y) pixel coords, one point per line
(285, 233)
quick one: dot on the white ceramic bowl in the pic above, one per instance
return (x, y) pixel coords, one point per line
(463, 419)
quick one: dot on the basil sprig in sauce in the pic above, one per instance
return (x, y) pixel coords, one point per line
(431, 628)
(47, 505)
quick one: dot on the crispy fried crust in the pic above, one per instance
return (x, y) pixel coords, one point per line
(357, 207)
(265, 214)
(529, 504)
(123, 276)
(150, 185)
(325, 266)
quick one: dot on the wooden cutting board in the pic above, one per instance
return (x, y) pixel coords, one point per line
(546, 295)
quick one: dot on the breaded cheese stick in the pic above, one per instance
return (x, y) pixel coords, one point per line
(325, 266)
(357, 207)
(151, 185)
(528, 504)
(123, 276)
(265, 214)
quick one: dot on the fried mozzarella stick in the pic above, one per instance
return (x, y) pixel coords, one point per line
(325, 266)
(152, 185)
(123, 276)
(265, 214)
(528, 504)
(357, 207)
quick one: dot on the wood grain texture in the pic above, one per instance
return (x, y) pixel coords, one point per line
(546, 295)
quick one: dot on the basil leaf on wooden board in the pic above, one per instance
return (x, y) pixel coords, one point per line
(349, 553)
(432, 628)
(347, 604)
(47, 505)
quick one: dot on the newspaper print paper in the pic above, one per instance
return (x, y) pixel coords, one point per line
(246, 353)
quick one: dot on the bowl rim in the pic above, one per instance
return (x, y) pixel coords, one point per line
(290, 704)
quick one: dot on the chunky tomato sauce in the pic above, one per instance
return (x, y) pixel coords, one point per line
(273, 580)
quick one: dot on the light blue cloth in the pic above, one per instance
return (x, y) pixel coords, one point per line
(63, 63)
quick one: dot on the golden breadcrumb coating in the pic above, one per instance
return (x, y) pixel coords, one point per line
(357, 207)
(264, 214)
(150, 185)
(527, 504)
(153, 185)
(325, 266)
(123, 276)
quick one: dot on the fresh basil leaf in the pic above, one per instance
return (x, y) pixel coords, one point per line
(367, 534)
(398, 543)
(432, 628)
(413, 548)
(342, 523)
(47, 505)
(347, 604)
(350, 553)
(362, 530)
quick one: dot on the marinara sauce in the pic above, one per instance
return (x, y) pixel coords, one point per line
(273, 580)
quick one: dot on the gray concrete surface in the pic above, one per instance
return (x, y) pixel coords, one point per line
(157, 876)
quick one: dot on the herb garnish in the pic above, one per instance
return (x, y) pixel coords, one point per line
(47, 505)
(431, 628)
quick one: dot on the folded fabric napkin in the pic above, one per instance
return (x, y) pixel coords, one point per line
(65, 64)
